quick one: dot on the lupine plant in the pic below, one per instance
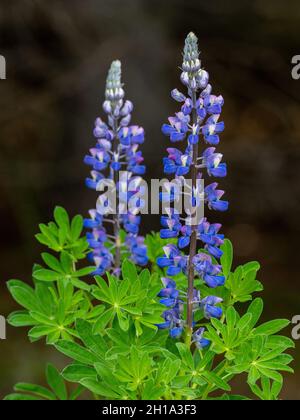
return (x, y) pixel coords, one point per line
(128, 337)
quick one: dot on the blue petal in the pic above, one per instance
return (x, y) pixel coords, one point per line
(176, 332)
(202, 343)
(90, 183)
(212, 139)
(213, 311)
(167, 234)
(164, 325)
(173, 271)
(175, 136)
(167, 302)
(193, 138)
(215, 251)
(182, 170)
(220, 171)
(139, 169)
(219, 205)
(167, 129)
(183, 242)
(163, 262)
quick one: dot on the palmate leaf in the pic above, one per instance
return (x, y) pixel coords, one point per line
(58, 297)
(133, 298)
(48, 315)
(64, 235)
(242, 282)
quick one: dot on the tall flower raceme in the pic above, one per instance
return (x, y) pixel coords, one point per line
(196, 127)
(116, 162)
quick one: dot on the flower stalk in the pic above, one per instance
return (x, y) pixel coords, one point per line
(197, 122)
(115, 158)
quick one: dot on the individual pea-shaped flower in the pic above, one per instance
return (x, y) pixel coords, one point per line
(209, 307)
(199, 340)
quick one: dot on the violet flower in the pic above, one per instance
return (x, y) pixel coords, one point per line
(195, 125)
(116, 150)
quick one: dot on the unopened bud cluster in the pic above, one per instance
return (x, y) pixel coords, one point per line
(114, 90)
(192, 75)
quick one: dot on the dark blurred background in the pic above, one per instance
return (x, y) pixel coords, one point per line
(57, 56)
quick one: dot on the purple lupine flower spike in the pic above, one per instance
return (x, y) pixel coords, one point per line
(116, 150)
(196, 127)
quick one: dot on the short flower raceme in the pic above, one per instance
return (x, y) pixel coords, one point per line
(115, 157)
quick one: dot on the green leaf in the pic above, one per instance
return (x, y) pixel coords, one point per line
(214, 379)
(75, 394)
(98, 388)
(282, 342)
(277, 377)
(129, 270)
(76, 352)
(56, 382)
(41, 330)
(255, 309)
(66, 262)
(76, 372)
(152, 391)
(271, 327)
(244, 322)
(38, 390)
(23, 294)
(92, 341)
(21, 397)
(226, 259)
(80, 284)
(84, 271)
(103, 320)
(253, 375)
(61, 217)
(52, 262)
(123, 321)
(231, 317)
(76, 227)
(251, 266)
(186, 355)
(47, 275)
(21, 319)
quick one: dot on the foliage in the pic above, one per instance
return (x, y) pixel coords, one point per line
(58, 389)
(107, 328)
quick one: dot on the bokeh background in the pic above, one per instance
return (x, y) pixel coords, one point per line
(57, 56)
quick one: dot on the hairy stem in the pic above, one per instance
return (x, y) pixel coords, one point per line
(116, 219)
(193, 243)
